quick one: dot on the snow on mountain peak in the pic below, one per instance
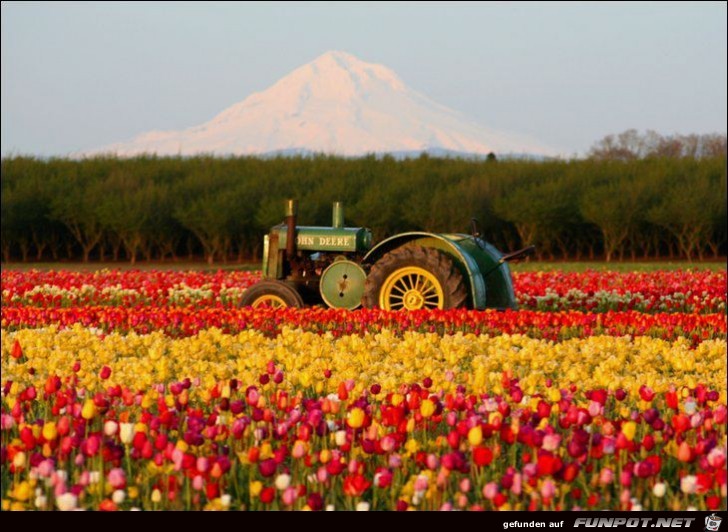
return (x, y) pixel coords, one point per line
(336, 104)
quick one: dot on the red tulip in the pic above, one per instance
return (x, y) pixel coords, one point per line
(315, 502)
(685, 453)
(712, 502)
(107, 505)
(600, 396)
(499, 500)
(571, 471)
(17, 350)
(453, 439)
(268, 467)
(681, 422)
(646, 393)
(671, 400)
(355, 485)
(482, 456)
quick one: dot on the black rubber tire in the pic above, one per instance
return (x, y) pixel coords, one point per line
(455, 293)
(272, 287)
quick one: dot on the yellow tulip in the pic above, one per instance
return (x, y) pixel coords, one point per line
(628, 429)
(255, 488)
(89, 409)
(475, 435)
(50, 432)
(22, 491)
(427, 408)
(411, 446)
(355, 418)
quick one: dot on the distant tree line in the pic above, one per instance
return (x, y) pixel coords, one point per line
(624, 201)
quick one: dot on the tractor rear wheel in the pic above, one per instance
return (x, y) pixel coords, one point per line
(412, 277)
(271, 294)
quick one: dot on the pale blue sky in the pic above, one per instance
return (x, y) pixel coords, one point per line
(81, 75)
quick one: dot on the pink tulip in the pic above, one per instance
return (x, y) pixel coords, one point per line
(551, 442)
(388, 443)
(606, 476)
(7, 422)
(117, 478)
(59, 489)
(289, 496)
(595, 409)
(716, 457)
(46, 468)
(548, 489)
(462, 500)
(490, 490)
(517, 485)
(530, 470)
(299, 450)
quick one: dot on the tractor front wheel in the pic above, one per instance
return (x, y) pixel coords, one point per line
(271, 294)
(413, 277)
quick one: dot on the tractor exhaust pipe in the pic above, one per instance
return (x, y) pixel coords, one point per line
(291, 212)
(337, 216)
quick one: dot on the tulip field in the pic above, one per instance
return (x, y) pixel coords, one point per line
(155, 390)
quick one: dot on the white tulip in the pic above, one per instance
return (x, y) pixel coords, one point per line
(688, 484)
(110, 428)
(283, 481)
(66, 502)
(126, 433)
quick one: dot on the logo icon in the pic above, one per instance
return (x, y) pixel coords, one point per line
(712, 522)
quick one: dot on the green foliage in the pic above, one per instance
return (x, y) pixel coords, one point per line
(160, 208)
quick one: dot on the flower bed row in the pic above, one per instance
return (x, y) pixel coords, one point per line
(662, 291)
(184, 321)
(304, 421)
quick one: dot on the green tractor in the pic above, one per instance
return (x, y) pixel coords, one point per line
(339, 267)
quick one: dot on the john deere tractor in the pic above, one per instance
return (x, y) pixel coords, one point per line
(339, 267)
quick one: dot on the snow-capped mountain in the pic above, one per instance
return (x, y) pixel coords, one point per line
(335, 104)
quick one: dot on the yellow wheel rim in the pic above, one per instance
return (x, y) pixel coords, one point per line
(411, 288)
(270, 301)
